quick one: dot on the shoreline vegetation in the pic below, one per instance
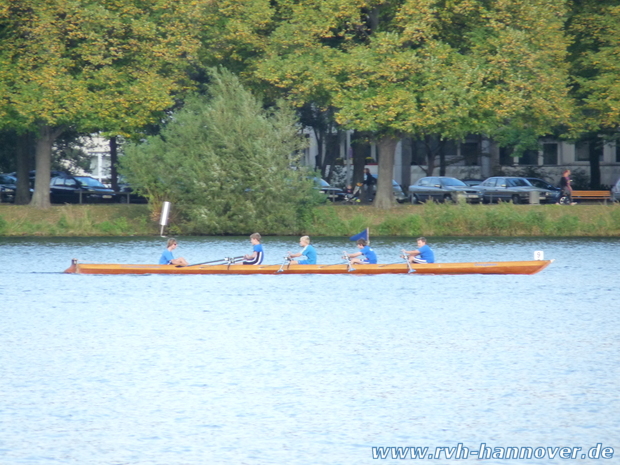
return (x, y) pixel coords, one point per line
(504, 219)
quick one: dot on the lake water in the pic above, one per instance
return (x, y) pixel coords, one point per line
(305, 369)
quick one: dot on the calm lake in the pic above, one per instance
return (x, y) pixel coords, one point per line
(306, 369)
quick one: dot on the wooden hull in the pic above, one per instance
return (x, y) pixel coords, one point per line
(525, 267)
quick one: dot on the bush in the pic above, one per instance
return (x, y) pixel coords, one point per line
(228, 165)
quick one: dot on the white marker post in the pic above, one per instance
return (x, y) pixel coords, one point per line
(163, 219)
(539, 255)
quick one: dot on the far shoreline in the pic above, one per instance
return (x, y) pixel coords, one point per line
(501, 220)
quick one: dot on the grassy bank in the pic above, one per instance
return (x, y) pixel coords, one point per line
(504, 219)
(336, 220)
(77, 220)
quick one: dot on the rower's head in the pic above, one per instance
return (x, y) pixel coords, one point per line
(361, 243)
(172, 242)
(304, 240)
(421, 241)
(255, 238)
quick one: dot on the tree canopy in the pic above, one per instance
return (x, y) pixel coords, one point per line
(511, 70)
(89, 65)
(424, 67)
(595, 63)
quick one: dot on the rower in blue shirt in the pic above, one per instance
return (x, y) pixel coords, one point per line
(167, 258)
(423, 254)
(256, 257)
(308, 251)
(365, 256)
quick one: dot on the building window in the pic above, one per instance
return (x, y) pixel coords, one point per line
(529, 157)
(450, 148)
(505, 156)
(470, 153)
(581, 151)
(418, 153)
(550, 154)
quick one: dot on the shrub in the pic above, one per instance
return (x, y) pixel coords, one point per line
(227, 164)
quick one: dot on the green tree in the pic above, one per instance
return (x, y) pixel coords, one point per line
(227, 164)
(423, 67)
(594, 26)
(89, 65)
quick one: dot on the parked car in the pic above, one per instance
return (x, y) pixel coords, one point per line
(335, 194)
(541, 183)
(127, 195)
(79, 189)
(442, 189)
(512, 189)
(398, 192)
(8, 187)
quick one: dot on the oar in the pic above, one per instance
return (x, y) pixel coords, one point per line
(206, 263)
(350, 266)
(286, 260)
(406, 258)
(233, 260)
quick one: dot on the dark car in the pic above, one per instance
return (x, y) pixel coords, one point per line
(541, 183)
(335, 194)
(8, 186)
(442, 189)
(512, 189)
(126, 194)
(79, 189)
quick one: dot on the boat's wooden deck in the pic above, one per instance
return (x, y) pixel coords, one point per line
(515, 267)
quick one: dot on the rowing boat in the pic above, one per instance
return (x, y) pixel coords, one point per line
(514, 267)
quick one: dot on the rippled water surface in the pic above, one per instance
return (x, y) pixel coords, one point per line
(303, 369)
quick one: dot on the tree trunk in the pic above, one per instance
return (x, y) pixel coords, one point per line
(23, 154)
(594, 147)
(442, 158)
(430, 156)
(406, 162)
(43, 164)
(495, 165)
(332, 151)
(113, 163)
(359, 158)
(384, 198)
(318, 158)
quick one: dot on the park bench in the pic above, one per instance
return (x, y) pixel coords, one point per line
(592, 195)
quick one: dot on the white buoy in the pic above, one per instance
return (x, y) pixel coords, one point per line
(539, 255)
(163, 219)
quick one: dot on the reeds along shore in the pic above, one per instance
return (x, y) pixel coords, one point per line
(429, 219)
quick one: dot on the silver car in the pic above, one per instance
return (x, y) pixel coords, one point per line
(443, 189)
(513, 189)
(398, 192)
